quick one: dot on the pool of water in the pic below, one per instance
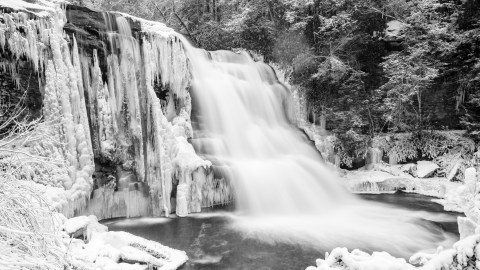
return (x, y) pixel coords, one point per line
(211, 243)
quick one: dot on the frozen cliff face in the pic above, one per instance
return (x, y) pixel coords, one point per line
(116, 89)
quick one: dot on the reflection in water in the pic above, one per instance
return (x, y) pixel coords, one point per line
(283, 190)
(212, 243)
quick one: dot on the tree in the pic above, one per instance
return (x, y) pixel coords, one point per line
(409, 74)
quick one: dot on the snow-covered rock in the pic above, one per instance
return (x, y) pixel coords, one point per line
(83, 225)
(426, 169)
(75, 226)
(341, 258)
(394, 29)
(384, 178)
(117, 250)
(466, 227)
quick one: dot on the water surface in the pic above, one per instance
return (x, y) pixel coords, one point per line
(212, 241)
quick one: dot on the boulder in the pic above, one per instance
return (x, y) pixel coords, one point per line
(426, 169)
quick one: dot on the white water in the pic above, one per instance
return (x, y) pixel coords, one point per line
(284, 192)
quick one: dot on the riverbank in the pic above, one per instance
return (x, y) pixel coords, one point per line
(454, 196)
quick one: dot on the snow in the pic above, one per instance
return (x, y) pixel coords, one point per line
(41, 10)
(116, 250)
(340, 258)
(74, 224)
(394, 28)
(463, 255)
(426, 169)
(385, 178)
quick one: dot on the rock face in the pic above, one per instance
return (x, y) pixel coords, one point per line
(426, 169)
(118, 87)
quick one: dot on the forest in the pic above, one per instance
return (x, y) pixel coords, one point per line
(369, 67)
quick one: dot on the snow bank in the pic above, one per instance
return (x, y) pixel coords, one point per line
(42, 9)
(426, 169)
(116, 250)
(464, 255)
(32, 236)
(384, 178)
(340, 258)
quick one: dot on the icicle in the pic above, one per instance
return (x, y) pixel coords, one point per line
(124, 121)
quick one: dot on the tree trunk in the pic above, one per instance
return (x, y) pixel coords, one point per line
(419, 97)
(214, 10)
(198, 12)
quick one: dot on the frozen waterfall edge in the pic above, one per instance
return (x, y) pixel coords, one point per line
(121, 108)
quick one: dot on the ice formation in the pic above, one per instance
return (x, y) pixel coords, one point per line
(125, 105)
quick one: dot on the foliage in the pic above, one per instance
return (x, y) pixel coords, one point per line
(350, 146)
(29, 233)
(425, 144)
(29, 237)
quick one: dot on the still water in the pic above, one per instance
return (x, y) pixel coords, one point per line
(212, 242)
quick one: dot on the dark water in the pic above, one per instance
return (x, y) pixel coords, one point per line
(417, 202)
(211, 244)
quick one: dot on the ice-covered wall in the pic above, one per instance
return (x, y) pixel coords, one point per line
(118, 87)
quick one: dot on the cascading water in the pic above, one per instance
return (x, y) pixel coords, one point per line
(241, 107)
(284, 192)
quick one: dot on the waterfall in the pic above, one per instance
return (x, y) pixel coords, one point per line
(121, 104)
(283, 190)
(241, 107)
